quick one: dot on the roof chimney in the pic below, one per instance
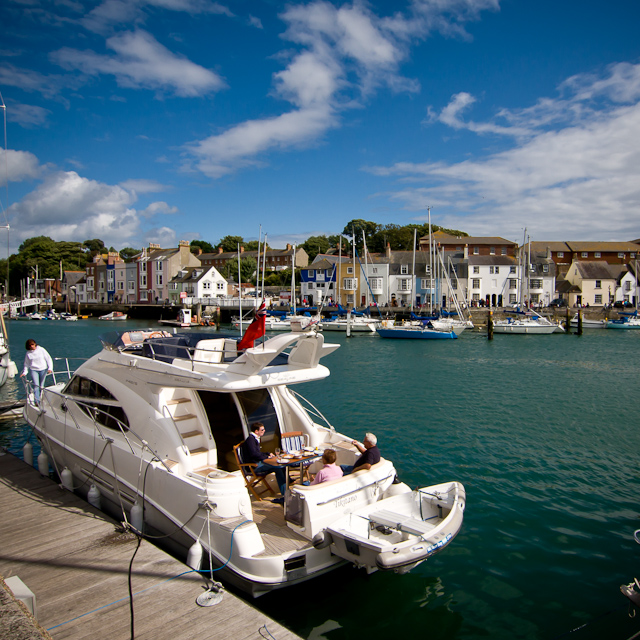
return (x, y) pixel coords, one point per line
(466, 251)
(388, 250)
(220, 250)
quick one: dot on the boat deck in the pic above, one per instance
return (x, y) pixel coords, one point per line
(278, 538)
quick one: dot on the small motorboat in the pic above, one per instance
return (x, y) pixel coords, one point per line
(397, 533)
(114, 315)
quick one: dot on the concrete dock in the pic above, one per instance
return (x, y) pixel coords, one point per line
(76, 561)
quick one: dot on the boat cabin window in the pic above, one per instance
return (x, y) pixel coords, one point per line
(258, 407)
(90, 392)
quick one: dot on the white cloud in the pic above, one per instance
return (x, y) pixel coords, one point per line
(110, 13)
(573, 177)
(141, 62)
(158, 208)
(19, 165)
(219, 155)
(70, 207)
(164, 236)
(145, 186)
(345, 53)
(28, 115)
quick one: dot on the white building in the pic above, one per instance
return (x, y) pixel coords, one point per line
(197, 282)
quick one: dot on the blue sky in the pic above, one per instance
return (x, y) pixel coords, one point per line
(139, 121)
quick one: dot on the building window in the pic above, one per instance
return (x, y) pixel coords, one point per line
(404, 284)
(513, 283)
(425, 283)
(598, 299)
(143, 280)
(404, 269)
(584, 254)
(89, 284)
(632, 255)
(476, 251)
(476, 269)
(491, 270)
(159, 279)
(513, 298)
(206, 285)
(376, 283)
(497, 270)
(597, 254)
(621, 255)
(476, 297)
(350, 284)
(374, 270)
(627, 286)
(512, 269)
(492, 251)
(454, 284)
(560, 254)
(503, 251)
(350, 271)
(131, 286)
(598, 284)
(475, 283)
(545, 268)
(536, 284)
(120, 285)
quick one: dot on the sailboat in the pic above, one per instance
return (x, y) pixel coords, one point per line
(627, 320)
(527, 321)
(419, 328)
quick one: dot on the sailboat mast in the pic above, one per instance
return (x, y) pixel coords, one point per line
(240, 290)
(430, 266)
(366, 266)
(293, 280)
(413, 270)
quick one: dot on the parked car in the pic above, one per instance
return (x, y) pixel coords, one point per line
(558, 302)
(619, 304)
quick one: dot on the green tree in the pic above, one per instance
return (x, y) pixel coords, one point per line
(356, 227)
(206, 247)
(230, 243)
(94, 246)
(315, 245)
(248, 267)
(128, 253)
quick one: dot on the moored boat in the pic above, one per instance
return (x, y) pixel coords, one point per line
(167, 410)
(114, 315)
(527, 323)
(626, 321)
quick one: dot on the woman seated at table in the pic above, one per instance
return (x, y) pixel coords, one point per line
(330, 471)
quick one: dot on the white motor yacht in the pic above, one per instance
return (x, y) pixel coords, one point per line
(149, 424)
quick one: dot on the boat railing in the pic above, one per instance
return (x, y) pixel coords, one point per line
(311, 409)
(88, 409)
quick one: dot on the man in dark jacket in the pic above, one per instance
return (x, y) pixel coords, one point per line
(266, 462)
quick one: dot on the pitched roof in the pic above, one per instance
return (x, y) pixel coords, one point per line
(597, 270)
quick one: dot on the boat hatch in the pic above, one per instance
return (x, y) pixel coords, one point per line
(297, 562)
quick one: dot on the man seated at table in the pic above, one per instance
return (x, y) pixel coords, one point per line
(330, 471)
(267, 462)
(370, 454)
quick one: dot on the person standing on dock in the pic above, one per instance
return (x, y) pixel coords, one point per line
(38, 361)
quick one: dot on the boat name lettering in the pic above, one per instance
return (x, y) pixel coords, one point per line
(133, 383)
(343, 502)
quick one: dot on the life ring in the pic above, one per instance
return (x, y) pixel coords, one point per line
(156, 334)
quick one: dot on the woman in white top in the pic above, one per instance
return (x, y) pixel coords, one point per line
(39, 362)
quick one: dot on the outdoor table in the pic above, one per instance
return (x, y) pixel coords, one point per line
(288, 462)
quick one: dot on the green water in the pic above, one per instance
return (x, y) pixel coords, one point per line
(543, 432)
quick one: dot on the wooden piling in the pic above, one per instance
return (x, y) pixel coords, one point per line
(579, 332)
(490, 325)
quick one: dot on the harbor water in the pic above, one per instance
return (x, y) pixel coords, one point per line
(543, 431)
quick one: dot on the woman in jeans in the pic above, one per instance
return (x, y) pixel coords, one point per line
(39, 362)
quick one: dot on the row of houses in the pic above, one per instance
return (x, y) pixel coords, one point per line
(484, 271)
(487, 271)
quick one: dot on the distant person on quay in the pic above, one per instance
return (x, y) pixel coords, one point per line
(39, 363)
